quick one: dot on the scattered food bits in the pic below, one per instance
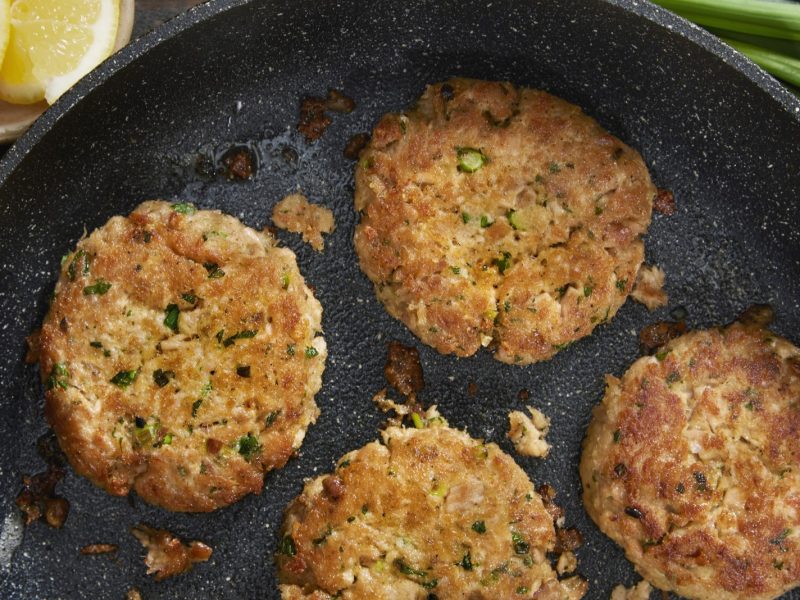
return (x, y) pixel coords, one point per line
(32, 352)
(296, 214)
(523, 395)
(403, 370)
(641, 591)
(38, 500)
(656, 335)
(167, 555)
(664, 202)
(355, 145)
(133, 594)
(239, 163)
(567, 563)
(314, 121)
(757, 315)
(92, 549)
(527, 433)
(472, 388)
(648, 288)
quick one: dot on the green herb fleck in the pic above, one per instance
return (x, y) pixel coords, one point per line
(344, 464)
(290, 349)
(214, 272)
(621, 285)
(311, 352)
(171, 315)
(124, 378)
(520, 545)
(59, 377)
(270, 420)
(470, 159)
(146, 432)
(219, 335)
(74, 265)
(598, 210)
(285, 280)
(672, 377)
(184, 208)
(479, 527)
(248, 446)
(486, 222)
(778, 564)
(507, 305)
(456, 270)
(465, 217)
(781, 537)
(161, 378)
(407, 570)
(514, 220)
(240, 335)
(466, 562)
(503, 263)
(522, 590)
(287, 547)
(189, 297)
(587, 290)
(195, 406)
(660, 356)
(417, 420)
(617, 435)
(98, 288)
(323, 537)
(553, 167)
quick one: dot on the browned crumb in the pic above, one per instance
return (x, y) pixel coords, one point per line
(38, 500)
(548, 494)
(641, 591)
(294, 213)
(664, 202)
(757, 315)
(133, 594)
(403, 370)
(355, 145)
(167, 555)
(238, 163)
(91, 549)
(567, 540)
(32, 353)
(472, 388)
(567, 563)
(656, 335)
(528, 433)
(523, 395)
(648, 288)
(313, 120)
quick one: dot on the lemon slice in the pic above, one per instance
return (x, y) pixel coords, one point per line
(52, 44)
(4, 27)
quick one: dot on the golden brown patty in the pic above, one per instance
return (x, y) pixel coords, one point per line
(428, 511)
(181, 357)
(692, 464)
(499, 215)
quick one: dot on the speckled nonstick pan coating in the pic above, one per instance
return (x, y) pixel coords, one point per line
(711, 126)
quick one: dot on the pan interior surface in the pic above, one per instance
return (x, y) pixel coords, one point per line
(710, 128)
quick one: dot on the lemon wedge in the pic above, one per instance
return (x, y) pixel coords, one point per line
(52, 44)
(4, 27)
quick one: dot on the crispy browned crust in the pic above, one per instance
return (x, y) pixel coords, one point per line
(400, 519)
(537, 278)
(692, 464)
(225, 279)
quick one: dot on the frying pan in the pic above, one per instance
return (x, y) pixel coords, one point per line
(711, 126)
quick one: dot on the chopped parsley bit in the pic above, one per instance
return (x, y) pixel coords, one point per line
(466, 562)
(189, 297)
(146, 432)
(285, 281)
(514, 221)
(520, 545)
(161, 378)
(672, 377)
(351, 518)
(553, 167)
(777, 564)
(749, 405)
(562, 290)
(243, 370)
(479, 527)
(206, 389)
(502, 263)
(598, 210)
(429, 585)
(456, 270)
(195, 406)
(466, 217)
(72, 269)
(700, 481)
(219, 335)
(124, 378)
(620, 470)
(98, 288)
(167, 440)
(621, 285)
(270, 420)
(417, 420)
(239, 335)
(59, 377)
(96, 344)
(171, 315)
(364, 509)
(214, 272)
(486, 222)
(290, 349)
(439, 490)
(311, 352)
(470, 159)
(617, 435)
(521, 590)
(781, 537)
(344, 464)
(660, 356)
(184, 208)
(587, 290)
(680, 488)
(322, 537)
(407, 570)
(248, 445)
(287, 547)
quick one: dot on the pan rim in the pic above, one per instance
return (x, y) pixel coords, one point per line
(132, 52)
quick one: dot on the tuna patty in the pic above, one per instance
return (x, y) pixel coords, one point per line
(427, 512)
(503, 216)
(180, 357)
(692, 464)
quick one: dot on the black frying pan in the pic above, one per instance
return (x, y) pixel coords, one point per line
(712, 127)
